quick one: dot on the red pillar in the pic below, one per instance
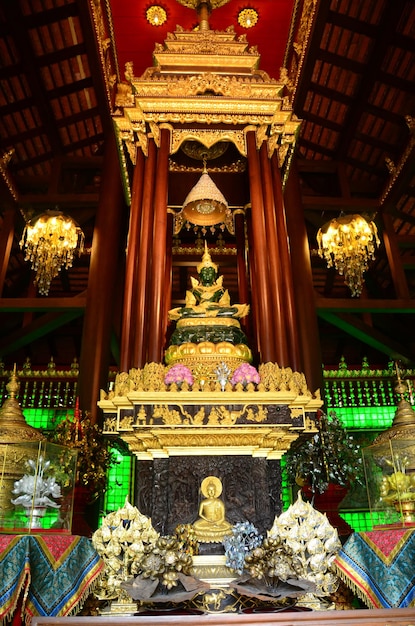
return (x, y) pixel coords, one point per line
(158, 274)
(286, 284)
(168, 280)
(241, 267)
(144, 258)
(308, 332)
(102, 282)
(264, 322)
(253, 313)
(130, 295)
(276, 280)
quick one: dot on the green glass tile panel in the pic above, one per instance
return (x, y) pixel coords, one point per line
(46, 419)
(370, 418)
(119, 482)
(360, 521)
(286, 495)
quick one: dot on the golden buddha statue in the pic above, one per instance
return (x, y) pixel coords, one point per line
(211, 526)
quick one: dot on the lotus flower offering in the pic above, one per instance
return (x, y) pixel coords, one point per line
(314, 542)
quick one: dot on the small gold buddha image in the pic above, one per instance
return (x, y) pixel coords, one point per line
(211, 526)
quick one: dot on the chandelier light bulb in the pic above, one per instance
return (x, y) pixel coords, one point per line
(156, 15)
(50, 242)
(247, 18)
(348, 243)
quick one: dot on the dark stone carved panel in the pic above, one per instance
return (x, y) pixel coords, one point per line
(168, 490)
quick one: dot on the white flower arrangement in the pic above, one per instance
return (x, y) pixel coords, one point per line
(35, 490)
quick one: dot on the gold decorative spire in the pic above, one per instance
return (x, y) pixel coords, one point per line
(403, 425)
(13, 426)
(204, 9)
(206, 260)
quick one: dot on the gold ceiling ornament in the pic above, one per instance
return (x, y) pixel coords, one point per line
(247, 18)
(196, 150)
(348, 243)
(156, 15)
(194, 4)
(50, 241)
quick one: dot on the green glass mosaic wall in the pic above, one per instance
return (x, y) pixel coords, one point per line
(119, 483)
(365, 418)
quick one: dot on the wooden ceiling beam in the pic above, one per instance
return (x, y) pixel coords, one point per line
(63, 200)
(362, 305)
(350, 65)
(64, 54)
(387, 25)
(347, 205)
(307, 68)
(308, 116)
(350, 23)
(49, 16)
(18, 30)
(40, 327)
(70, 88)
(357, 329)
(18, 305)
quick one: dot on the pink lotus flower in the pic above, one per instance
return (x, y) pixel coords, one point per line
(178, 374)
(245, 374)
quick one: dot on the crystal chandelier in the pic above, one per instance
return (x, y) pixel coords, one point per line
(348, 243)
(50, 242)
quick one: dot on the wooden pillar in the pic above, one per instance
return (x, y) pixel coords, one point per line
(275, 284)
(303, 283)
(241, 267)
(6, 240)
(286, 284)
(394, 257)
(168, 280)
(158, 274)
(254, 315)
(102, 281)
(144, 258)
(259, 240)
(130, 295)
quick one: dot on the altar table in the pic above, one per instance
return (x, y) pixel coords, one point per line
(379, 566)
(46, 575)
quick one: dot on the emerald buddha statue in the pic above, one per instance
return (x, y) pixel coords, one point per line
(208, 323)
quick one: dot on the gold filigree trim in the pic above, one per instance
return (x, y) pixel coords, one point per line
(150, 379)
(232, 168)
(207, 321)
(207, 138)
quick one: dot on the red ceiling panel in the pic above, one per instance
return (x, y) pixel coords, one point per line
(135, 37)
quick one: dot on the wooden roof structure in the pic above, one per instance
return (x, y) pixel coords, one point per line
(350, 72)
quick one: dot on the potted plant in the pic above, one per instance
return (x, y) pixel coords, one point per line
(326, 463)
(94, 458)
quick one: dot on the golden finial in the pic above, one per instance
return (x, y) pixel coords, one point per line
(206, 260)
(13, 385)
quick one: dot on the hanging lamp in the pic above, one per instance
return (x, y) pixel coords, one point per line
(348, 243)
(50, 242)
